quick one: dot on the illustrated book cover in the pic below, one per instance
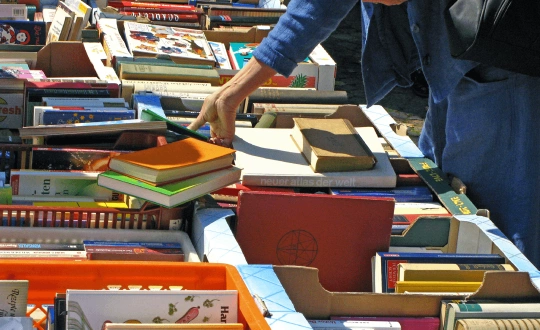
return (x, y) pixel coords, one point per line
(331, 145)
(336, 234)
(22, 32)
(269, 157)
(61, 24)
(173, 161)
(93, 309)
(188, 46)
(172, 194)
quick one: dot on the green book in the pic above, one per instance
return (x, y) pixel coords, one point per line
(172, 194)
(149, 115)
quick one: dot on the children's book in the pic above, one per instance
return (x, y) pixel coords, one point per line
(22, 32)
(221, 54)
(93, 309)
(188, 46)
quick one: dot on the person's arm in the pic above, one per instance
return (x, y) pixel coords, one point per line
(219, 108)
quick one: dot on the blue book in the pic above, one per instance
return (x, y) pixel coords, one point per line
(56, 117)
(147, 101)
(385, 264)
(407, 194)
(150, 245)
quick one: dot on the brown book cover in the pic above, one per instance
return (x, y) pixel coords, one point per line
(331, 145)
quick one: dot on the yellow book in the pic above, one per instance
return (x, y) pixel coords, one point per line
(436, 286)
(447, 272)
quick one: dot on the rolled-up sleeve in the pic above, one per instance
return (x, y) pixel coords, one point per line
(304, 25)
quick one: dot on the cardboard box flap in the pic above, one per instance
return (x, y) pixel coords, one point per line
(65, 59)
(311, 299)
(254, 34)
(354, 114)
(496, 285)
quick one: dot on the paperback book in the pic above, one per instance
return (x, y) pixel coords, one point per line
(15, 32)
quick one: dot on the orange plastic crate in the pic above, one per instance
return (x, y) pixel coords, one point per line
(48, 277)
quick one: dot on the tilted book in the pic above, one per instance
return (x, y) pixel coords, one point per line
(173, 161)
(93, 309)
(61, 24)
(269, 157)
(172, 194)
(188, 46)
(331, 145)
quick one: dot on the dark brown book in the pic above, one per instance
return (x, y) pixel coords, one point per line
(131, 253)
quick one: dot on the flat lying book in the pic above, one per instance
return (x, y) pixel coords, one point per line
(269, 157)
(171, 194)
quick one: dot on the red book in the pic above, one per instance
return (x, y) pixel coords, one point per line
(141, 4)
(407, 323)
(161, 10)
(336, 234)
(162, 16)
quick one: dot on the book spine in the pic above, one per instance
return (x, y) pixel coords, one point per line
(499, 324)
(41, 246)
(42, 254)
(346, 324)
(162, 16)
(55, 117)
(153, 245)
(291, 96)
(157, 5)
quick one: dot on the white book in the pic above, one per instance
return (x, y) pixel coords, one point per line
(269, 157)
(353, 324)
(82, 16)
(92, 309)
(58, 183)
(13, 298)
(220, 52)
(61, 23)
(13, 11)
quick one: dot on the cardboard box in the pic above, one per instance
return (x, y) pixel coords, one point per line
(319, 75)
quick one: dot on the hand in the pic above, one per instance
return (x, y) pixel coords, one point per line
(221, 115)
(386, 2)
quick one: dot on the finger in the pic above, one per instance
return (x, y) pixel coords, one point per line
(197, 123)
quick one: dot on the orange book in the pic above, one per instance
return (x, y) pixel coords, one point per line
(173, 161)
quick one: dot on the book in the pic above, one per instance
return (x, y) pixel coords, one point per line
(161, 15)
(282, 228)
(295, 95)
(136, 71)
(15, 32)
(478, 310)
(331, 145)
(353, 324)
(220, 9)
(60, 311)
(173, 161)
(221, 54)
(132, 253)
(13, 298)
(447, 272)
(151, 116)
(219, 20)
(61, 183)
(82, 13)
(188, 46)
(19, 323)
(43, 254)
(13, 11)
(186, 326)
(384, 264)
(44, 116)
(404, 194)
(172, 194)
(41, 246)
(65, 158)
(450, 287)
(156, 5)
(91, 309)
(497, 324)
(105, 102)
(269, 157)
(61, 24)
(406, 323)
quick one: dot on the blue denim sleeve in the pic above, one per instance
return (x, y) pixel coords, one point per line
(304, 25)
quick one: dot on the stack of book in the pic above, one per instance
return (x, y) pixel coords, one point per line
(172, 174)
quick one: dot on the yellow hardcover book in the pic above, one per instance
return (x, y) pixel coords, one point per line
(331, 145)
(436, 286)
(447, 272)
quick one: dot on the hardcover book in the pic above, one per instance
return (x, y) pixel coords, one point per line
(13, 298)
(178, 326)
(82, 159)
(403, 194)
(450, 287)
(61, 24)
(173, 161)
(353, 324)
(188, 46)
(22, 32)
(447, 272)
(498, 324)
(331, 145)
(385, 264)
(221, 55)
(146, 71)
(93, 309)
(82, 13)
(336, 234)
(172, 194)
(406, 323)
(269, 157)
(133, 253)
(57, 117)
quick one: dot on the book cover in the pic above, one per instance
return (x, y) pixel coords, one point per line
(477, 310)
(385, 264)
(406, 323)
(56, 117)
(161, 15)
(93, 309)
(331, 145)
(82, 159)
(173, 161)
(22, 32)
(412, 194)
(183, 45)
(282, 228)
(172, 194)
(221, 54)
(13, 11)
(61, 183)
(13, 298)
(447, 272)
(451, 287)
(269, 157)
(61, 23)
(82, 16)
